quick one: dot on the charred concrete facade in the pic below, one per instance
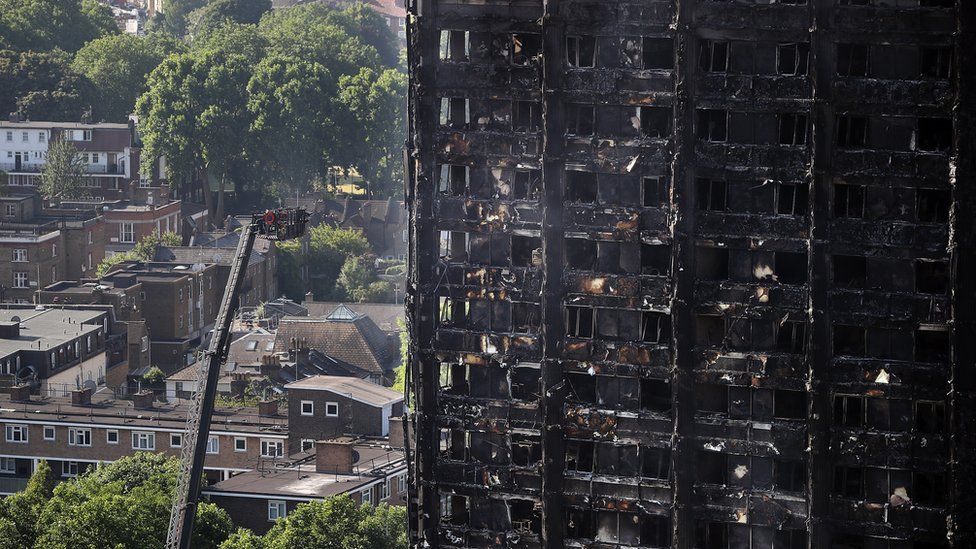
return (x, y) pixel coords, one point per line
(691, 273)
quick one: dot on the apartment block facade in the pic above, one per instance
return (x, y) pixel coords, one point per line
(692, 274)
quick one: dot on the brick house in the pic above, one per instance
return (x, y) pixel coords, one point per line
(126, 223)
(260, 283)
(321, 407)
(367, 471)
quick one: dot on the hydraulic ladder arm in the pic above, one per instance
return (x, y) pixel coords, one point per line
(274, 225)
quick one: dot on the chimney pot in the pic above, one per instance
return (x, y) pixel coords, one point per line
(267, 408)
(143, 400)
(335, 456)
(81, 397)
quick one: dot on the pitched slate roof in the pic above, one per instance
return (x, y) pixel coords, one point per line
(385, 315)
(357, 341)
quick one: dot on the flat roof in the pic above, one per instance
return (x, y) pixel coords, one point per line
(29, 124)
(352, 387)
(42, 330)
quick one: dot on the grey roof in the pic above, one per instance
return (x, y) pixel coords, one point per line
(41, 330)
(384, 315)
(352, 387)
(200, 254)
(343, 314)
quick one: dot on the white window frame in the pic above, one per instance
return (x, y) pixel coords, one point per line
(177, 438)
(311, 408)
(277, 509)
(237, 444)
(20, 255)
(8, 465)
(21, 279)
(213, 445)
(329, 406)
(109, 437)
(267, 444)
(17, 433)
(49, 429)
(144, 440)
(307, 444)
(11, 210)
(402, 482)
(131, 236)
(366, 495)
(385, 489)
(69, 468)
(79, 436)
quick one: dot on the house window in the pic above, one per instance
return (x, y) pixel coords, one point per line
(111, 436)
(69, 468)
(308, 408)
(16, 433)
(54, 250)
(791, 199)
(852, 59)
(79, 437)
(11, 210)
(272, 448)
(8, 465)
(307, 444)
(579, 119)
(20, 255)
(401, 483)
(792, 59)
(367, 496)
(331, 409)
(213, 445)
(792, 129)
(276, 510)
(713, 56)
(385, 489)
(10, 136)
(41, 137)
(579, 321)
(144, 441)
(49, 432)
(712, 125)
(852, 132)
(25, 136)
(454, 45)
(20, 280)
(127, 232)
(175, 440)
(710, 194)
(240, 444)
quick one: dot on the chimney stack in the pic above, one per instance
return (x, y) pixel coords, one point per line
(335, 455)
(267, 408)
(81, 397)
(20, 393)
(143, 400)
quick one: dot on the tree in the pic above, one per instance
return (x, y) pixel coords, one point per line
(174, 20)
(372, 28)
(376, 101)
(328, 249)
(118, 68)
(41, 85)
(218, 12)
(289, 270)
(243, 539)
(144, 250)
(338, 523)
(45, 25)
(19, 512)
(63, 175)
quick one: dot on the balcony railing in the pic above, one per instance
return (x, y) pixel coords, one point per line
(26, 167)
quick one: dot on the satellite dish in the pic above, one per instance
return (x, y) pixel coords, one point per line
(15, 318)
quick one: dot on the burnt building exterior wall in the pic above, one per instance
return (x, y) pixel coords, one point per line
(690, 273)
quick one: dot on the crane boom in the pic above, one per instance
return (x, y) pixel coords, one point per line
(274, 225)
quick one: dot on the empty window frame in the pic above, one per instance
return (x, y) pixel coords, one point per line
(790, 267)
(790, 336)
(849, 482)
(852, 59)
(852, 131)
(454, 509)
(655, 122)
(849, 271)
(848, 201)
(453, 245)
(525, 48)
(581, 187)
(581, 51)
(453, 180)
(617, 324)
(655, 327)
(527, 184)
(931, 277)
(453, 312)
(789, 404)
(656, 192)
(930, 417)
(711, 263)
(932, 205)
(525, 250)
(792, 129)
(454, 111)
(712, 397)
(526, 116)
(712, 125)
(712, 468)
(579, 321)
(454, 45)
(932, 345)
(656, 53)
(655, 395)
(934, 135)
(711, 194)
(793, 59)
(849, 340)
(929, 488)
(789, 476)
(655, 259)
(581, 254)
(710, 330)
(579, 119)
(655, 462)
(935, 62)
(792, 198)
(713, 55)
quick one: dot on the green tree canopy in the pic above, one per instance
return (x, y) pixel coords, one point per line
(45, 25)
(329, 247)
(63, 175)
(118, 68)
(218, 12)
(41, 86)
(338, 523)
(173, 20)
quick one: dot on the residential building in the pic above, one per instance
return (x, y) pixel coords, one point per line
(363, 469)
(692, 273)
(89, 428)
(383, 222)
(127, 222)
(109, 151)
(323, 407)
(40, 246)
(389, 317)
(179, 305)
(55, 350)
(251, 362)
(345, 336)
(260, 280)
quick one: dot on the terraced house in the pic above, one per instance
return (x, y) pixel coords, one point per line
(692, 273)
